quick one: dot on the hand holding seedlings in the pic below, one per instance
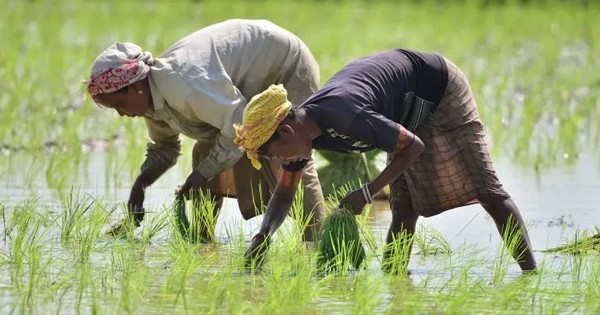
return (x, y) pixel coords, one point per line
(190, 188)
(356, 200)
(255, 254)
(135, 204)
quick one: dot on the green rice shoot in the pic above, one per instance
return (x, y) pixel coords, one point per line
(581, 244)
(339, 244)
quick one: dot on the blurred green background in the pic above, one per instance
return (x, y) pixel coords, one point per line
(534, 67)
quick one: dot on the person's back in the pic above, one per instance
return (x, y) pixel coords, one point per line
(403, 85)
(198, 87)
(251, 53)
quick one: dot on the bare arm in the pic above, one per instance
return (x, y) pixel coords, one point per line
(397, 165)
(408, 150)
(278, 209)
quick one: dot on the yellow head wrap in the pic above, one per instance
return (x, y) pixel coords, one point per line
(261, 117)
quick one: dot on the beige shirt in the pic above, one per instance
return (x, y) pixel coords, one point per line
(201, 85)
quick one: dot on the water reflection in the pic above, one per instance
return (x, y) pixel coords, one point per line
(555, 202)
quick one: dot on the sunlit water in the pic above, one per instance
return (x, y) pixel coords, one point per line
(556, 203)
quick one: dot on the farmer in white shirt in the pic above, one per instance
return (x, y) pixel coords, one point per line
(199, 88)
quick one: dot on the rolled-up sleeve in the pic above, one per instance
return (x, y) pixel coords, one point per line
(162, 153)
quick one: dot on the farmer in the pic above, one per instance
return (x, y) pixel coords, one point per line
(416, 106)
(199, 88)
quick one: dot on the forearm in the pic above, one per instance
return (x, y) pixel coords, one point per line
(399, 163)
(278, 209)
(146, 179)
(160, 156)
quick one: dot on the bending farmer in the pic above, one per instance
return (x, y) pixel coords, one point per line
(419, 108)
(199, 88)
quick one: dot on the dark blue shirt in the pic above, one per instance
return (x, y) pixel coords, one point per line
(360, 107)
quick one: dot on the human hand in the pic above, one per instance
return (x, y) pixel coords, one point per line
(255, 254)
(354, 201)
(135, 205)
(135, 209)
(123, 228)
(191, 186)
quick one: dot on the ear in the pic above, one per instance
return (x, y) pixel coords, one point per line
(285, 129)
(138, 86)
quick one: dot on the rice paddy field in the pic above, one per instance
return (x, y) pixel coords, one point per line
(66, 166)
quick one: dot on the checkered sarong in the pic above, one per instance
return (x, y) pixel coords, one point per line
(455, 167)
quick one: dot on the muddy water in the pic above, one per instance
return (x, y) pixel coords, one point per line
(555, 202)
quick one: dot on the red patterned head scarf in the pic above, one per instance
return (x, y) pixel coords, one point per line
(118, 66)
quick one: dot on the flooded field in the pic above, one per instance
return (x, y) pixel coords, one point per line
(66, 166)
(89, 272)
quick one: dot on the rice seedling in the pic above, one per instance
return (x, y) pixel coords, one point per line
(396, 254)
(153, 225)
(28, 267)
(430, 241)
(73, 212)
(536, 94)
(203, 213)
(23, 234)
(87, 235)
(582, 243)
(340, 245)
(512, 237)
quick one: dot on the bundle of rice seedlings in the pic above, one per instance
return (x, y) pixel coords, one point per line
(339, 245)
(181, 221)
(192, 230)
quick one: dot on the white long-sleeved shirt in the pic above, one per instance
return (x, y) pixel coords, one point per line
(202, 83)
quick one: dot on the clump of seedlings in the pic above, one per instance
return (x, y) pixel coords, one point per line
(339, 244)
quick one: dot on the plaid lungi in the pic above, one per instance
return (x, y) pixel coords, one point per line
(455, 168)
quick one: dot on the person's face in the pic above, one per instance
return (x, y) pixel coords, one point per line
(289, 146)
(127, 103)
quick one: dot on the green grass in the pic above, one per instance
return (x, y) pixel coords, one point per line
(537, 94)
(534, 69)
(166, 273)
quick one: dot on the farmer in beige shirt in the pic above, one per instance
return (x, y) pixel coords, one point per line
(199, 88)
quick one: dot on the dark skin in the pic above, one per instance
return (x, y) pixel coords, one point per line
(294, 142)
(134, 101)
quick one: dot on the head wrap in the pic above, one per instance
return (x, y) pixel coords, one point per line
(261, 117)
(117, 67)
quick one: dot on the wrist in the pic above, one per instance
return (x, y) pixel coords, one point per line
(144, 180)
(259, 237)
